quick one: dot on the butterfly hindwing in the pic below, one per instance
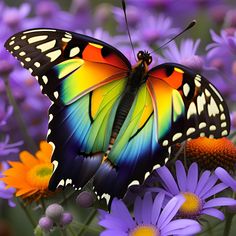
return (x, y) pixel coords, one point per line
(186, 105)
(80, 133)
(67, 65)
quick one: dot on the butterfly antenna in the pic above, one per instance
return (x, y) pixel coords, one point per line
(127, 26)
(190, 25)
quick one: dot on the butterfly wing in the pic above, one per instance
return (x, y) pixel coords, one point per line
(186, 105)
(67, 65)
(84, 78)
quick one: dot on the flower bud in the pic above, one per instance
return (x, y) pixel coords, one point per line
(45, 223)
(66, 218)
(54, 211)
(85, 199)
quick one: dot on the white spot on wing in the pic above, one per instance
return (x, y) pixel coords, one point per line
(54, 55)
(212, 128)
(202, 125)
(224, 124)
(176, 136)
(225, 132)
(50, 118)
(186, 89)
(16, 47)
(23, 37)
(37, 64)
(22, 53)
(45, 79)
(66, 40)
(11, 43)
(74, 51)
(28, 59)
(37, 39)
(56, 94)
(222, 117)
(192, 110)
(47, 46)
(212, 108)
(134, 182)
(201, 101)
(190, 131)
(61, 183)
(165, 143)
(55, 165)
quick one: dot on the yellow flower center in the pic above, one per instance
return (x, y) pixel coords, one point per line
(147, 230)
(191, 206)
(40, 175)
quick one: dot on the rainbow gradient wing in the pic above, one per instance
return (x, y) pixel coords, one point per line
(186, 105)
(67, 65)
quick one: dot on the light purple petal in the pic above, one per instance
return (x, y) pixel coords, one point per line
(216, 189)
(192, 177)
(114, 223)
(213, 212)
(170, 211)
(156, 209)
(168, 180)
(119, 209)
(225, 177)
(113, 233)
(220, 201)
(147, 208)
(138, 210)
(181, 175)
(210, 183)
(181, 227)
(202, 181)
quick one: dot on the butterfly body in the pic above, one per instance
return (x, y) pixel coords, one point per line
(110, 122)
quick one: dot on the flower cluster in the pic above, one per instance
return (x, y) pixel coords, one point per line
(198, 181)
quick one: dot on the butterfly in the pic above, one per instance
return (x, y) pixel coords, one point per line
(110, 122)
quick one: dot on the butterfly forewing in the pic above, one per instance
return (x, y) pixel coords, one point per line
(53, 55)
(186, 105)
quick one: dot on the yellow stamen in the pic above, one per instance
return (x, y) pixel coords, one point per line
(192, 205)
(147, 230)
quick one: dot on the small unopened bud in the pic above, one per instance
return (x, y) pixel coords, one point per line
(45, 223)
(66, 218)
(54, 211)
(85, 199)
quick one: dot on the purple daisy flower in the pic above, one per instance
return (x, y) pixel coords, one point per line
(226, 178)
(6, 194)
(49, 14)
(14, 19)
(196, 190)
(149, 218)
(6, 149)
(5, 112)
(159, 29)
(185, 54)
(221, 58)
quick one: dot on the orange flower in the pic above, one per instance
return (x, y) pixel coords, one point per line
(211, 153)
(31, 175)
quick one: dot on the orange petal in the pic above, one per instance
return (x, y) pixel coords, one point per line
(28, 159)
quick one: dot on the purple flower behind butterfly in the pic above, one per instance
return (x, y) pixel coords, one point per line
(221, 57)
(14, 19)
(155, 30)
(6, 194)
(185, 54)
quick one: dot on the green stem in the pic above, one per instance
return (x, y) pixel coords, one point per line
(63, 232)
(27, 214)
(88, 228)
(228, 222)
(43, 204)
(22, 126)
(72, 233)
(87, 222)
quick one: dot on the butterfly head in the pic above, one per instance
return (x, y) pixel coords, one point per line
(144, 56)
